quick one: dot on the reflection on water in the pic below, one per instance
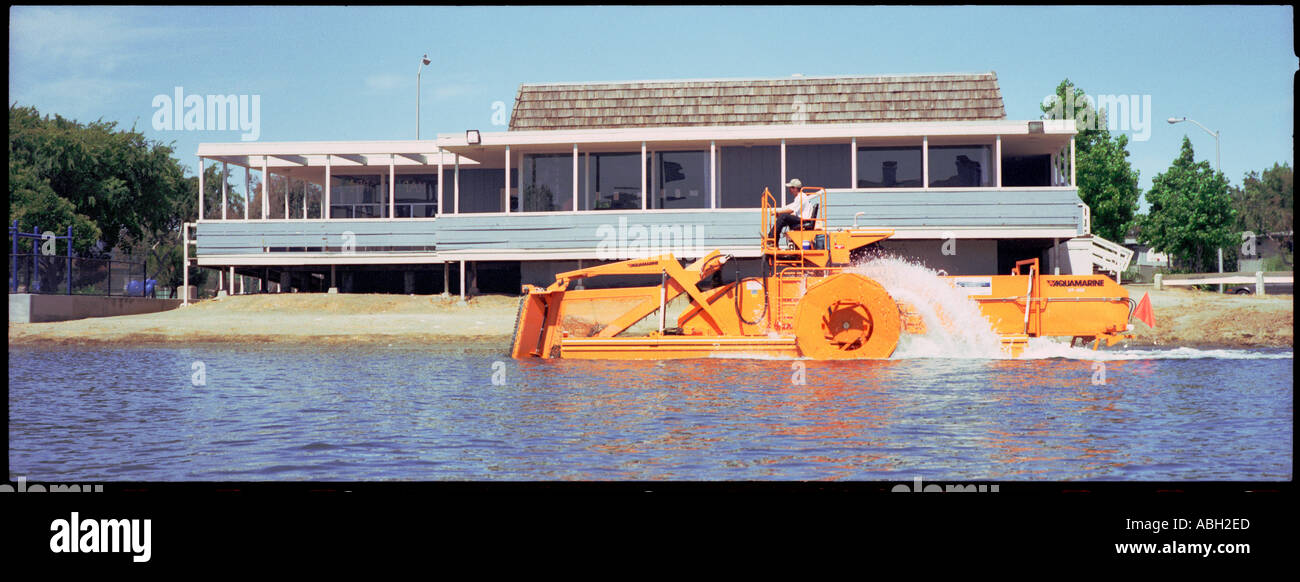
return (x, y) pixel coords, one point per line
(386, 413)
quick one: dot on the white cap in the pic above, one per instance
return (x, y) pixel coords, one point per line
(794, 183)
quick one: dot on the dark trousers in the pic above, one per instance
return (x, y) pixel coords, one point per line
(790, 220)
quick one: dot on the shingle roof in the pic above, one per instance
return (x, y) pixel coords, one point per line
(938, 97)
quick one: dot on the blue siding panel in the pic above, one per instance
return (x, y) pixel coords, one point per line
(965, 208)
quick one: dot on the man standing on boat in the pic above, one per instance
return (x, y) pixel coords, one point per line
(798, 214)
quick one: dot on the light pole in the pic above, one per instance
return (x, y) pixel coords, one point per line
(1173, 120)
(423, 61)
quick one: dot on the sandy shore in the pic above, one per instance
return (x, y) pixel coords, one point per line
(1183, 318)
(297, 318)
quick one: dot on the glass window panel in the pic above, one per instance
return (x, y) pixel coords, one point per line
(884, 167)
(958, 166)
(359, 196)
(547, 182)
(417, 195)
(609, 181)
(745, 172)
(683, 180)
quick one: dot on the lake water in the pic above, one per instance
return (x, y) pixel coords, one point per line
(469, 412)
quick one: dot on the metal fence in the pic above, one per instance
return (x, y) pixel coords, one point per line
(33, 269)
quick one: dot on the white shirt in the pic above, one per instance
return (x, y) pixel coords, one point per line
(804, 205)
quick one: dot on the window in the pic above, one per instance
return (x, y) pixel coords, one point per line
(682, 180)
(824, 165)
(547, 183)
(417, 195)
(358, 196)
(609, 181)
(958, 166)
(745, 172)
(889, 167)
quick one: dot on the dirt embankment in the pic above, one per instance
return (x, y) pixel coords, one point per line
(1183, 318)
(297, 317)
(1188, 317)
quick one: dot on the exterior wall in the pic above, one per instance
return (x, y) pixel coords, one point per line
(603, 234)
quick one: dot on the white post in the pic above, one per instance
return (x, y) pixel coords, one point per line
(392, 186)
(201, 217)
(925, 161)
(1220, 268)
(185, 263)
(325, 210)
(1259, 282)
(575, 177)
(462, 281)
(306, 189)
(853, 162)
(643, 165)
(288, 181)
(713, 174)
(248, 195)
(784, 179)
(455, 188)
(446, 279)
(266, 199)
(998, 153)
(231, 280)
(1073, 183)
(441, 208)
(225, 169)
(505, 199)
(586, 181)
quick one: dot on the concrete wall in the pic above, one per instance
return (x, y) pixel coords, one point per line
(34, 308)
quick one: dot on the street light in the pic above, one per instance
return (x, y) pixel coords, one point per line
(1173, 120)
(423, 61)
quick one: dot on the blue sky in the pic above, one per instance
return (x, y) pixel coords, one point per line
(349, 73)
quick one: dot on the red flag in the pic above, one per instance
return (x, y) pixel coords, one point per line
(1143, 311)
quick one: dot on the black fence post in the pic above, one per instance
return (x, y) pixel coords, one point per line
(69, 259)
(35, 283)
(13, 259)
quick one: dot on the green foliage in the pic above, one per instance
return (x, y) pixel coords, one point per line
(1108, 184)
(115, 181)
(35, 205)
(1266, 203)
(1191, 215)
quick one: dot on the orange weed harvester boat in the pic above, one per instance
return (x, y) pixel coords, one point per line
(805, 305)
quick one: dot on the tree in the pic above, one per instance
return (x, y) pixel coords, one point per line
(118, 190)
(1107, 182)
(1191, 214)
(1266, 203)
(116, 181)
